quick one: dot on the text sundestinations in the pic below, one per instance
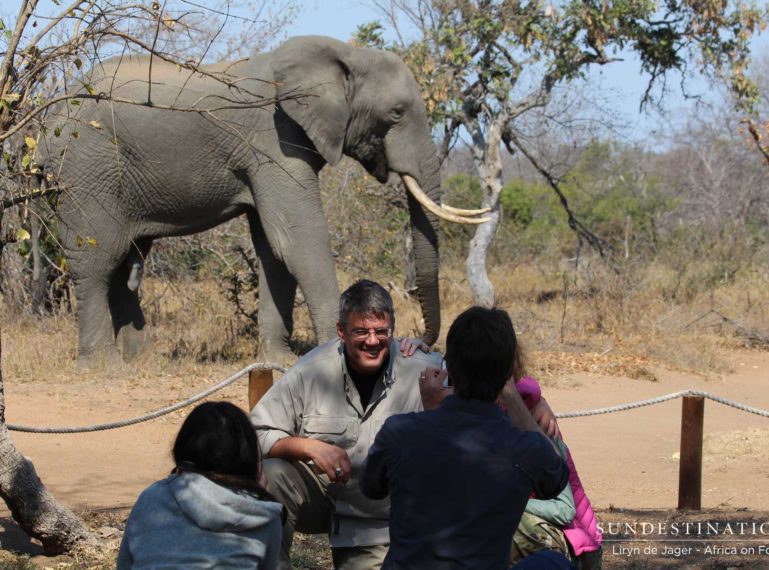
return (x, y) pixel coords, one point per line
(683, 528)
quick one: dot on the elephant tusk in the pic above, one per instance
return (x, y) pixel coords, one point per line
(439, 211)
(463, 212)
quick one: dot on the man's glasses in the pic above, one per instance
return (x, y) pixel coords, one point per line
(363, 334)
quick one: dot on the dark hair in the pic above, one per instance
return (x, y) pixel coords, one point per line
(481, 353)
(218, 440)
(366, 298)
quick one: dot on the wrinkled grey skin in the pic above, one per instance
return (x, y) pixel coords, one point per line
(175, 173)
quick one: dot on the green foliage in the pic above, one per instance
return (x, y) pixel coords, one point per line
(615, 197)
(607, 188)
(518, 201)
(369, 35)
(461, 191)
(471, 54)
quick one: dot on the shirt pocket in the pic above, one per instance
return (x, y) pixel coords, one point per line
(341, 431)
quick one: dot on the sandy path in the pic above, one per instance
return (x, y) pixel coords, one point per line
(625, 459)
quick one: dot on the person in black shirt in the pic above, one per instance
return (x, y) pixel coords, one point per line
(459, 475)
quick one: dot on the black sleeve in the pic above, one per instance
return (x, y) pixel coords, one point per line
(549, 471)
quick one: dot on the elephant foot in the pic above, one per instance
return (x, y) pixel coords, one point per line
(99, 358)
(280, 355)
(134, 342)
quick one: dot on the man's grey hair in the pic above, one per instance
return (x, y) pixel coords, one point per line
(366, 298)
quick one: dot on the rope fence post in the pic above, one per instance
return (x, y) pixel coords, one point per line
(690, 471)
(259, 381)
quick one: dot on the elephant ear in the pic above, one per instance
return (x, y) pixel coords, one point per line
(315, 65)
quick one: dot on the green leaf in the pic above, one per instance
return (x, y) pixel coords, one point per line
(57, 131)
(90, 90)
(25, 161)
(75, 102)
(22, 235)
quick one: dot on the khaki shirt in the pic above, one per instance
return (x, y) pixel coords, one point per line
(316, 398)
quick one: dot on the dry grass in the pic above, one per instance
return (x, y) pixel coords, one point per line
(597, 322)
(728, 446)
(613, 325)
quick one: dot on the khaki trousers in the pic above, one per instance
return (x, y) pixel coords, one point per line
(308, 510)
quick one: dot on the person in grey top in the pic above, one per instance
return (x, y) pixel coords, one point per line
(316, 424)
(212, 512)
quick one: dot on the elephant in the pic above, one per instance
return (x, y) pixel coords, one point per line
(168, 151)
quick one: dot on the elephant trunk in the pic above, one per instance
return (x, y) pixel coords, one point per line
(424, 229)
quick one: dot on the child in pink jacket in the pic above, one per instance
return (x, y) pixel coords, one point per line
(582, 532)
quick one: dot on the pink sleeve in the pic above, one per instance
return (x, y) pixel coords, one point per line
(529, 390)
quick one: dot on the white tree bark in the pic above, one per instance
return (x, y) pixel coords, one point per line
(488, 162)
(30, 503)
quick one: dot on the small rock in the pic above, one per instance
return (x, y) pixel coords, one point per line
(107, 531)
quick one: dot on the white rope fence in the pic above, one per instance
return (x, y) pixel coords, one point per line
(272, 366)
(665, 398)
(155, 414)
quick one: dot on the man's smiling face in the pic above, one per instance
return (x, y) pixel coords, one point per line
(366, 340)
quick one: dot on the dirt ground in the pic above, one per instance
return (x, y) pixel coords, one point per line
(628, 461)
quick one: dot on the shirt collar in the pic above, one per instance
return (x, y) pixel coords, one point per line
(389, 378)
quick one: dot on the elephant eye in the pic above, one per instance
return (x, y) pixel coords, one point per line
(397, 112)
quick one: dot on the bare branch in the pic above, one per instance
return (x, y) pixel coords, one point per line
(11, 202)
(25, 13)
(598, 244)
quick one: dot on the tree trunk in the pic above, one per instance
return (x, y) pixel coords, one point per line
(30, 503)
(488, 162)
(39, 275)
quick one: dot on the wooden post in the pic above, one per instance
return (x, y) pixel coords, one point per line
(690, 474)
(259, 381)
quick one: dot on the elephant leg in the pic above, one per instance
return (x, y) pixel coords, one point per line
(96, 344)
(277, 291)
(127, 316)
(297, 236)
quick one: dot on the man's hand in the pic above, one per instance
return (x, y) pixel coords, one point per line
(410, 345)
(516, 409)
(431, 387)
(330, 459)
(545, 418)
